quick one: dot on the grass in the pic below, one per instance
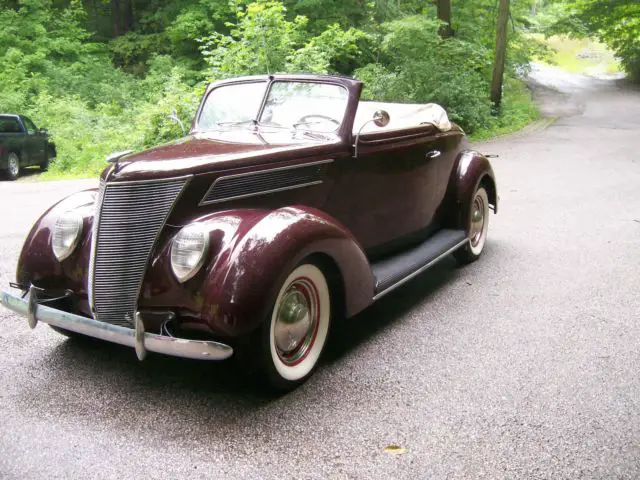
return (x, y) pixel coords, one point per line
(580, 55)
(517, 110)
(35, 175)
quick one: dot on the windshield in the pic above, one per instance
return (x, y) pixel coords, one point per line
(318, 107)
(310, 106)
(232, 104)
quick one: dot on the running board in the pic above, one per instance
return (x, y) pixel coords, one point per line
(392, 272)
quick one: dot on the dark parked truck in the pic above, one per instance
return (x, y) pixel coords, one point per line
(22, 144)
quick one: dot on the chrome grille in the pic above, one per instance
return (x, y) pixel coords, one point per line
(129, 217)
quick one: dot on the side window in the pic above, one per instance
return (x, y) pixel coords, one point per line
(10, 125)
(29, 125)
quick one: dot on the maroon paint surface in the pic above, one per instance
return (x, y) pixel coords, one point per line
(392, 194)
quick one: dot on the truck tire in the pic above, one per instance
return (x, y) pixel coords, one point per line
(13, 166)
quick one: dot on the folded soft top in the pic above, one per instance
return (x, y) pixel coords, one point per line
(402, 115)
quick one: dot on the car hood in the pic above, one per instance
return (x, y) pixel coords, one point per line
(202, 153)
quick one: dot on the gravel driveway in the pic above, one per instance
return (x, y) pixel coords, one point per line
(523, 365)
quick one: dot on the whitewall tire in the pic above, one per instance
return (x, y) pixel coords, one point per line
(478, 227)
(286, 350)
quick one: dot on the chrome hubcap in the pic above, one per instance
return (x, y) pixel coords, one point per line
(477, 220)
(13, 166)
(296, 322)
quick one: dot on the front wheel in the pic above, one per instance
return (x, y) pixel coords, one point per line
(293, 337)
(478, 228)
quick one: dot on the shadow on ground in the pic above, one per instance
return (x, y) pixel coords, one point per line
(111, 376)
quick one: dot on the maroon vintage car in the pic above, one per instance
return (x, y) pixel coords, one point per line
(291, 204)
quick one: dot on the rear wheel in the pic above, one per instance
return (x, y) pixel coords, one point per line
(478, 228)
(44, 166)
(292, 338)
(13, 166)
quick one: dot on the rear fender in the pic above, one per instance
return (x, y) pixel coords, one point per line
(258, 252)
(472, 169)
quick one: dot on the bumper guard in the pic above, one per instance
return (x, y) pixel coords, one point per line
(142, 341)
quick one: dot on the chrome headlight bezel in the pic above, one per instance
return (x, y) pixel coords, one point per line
(66, 234)
(194, 237)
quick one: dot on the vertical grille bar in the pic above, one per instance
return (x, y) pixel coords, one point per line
(129, 218)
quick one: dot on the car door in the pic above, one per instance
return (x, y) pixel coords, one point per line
(36, 143)
(14, 137)
(389, 195)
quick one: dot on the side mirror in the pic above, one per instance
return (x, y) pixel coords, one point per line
(43, 131)
(380, 118)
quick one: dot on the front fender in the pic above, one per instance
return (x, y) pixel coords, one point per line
(37, 264)
(243, 283)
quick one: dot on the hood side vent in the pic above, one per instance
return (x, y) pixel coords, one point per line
(250, 184)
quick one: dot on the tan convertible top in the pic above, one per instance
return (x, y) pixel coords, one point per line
(402, 115)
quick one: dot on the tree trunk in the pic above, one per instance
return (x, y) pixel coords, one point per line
(501, 50)
(115, 15)
(444, 14)
(534, 8)
(127, 20)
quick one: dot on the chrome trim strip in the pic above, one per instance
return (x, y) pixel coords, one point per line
(420, 270)
(380, 141)
(177, 347)
(262, 192)
(155, 180)
(94, 240)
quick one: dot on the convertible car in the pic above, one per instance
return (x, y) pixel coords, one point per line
(291, 204)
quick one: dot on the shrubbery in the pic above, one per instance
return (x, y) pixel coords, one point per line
(96, 97)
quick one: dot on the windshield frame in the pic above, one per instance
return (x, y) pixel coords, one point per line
(270, 80)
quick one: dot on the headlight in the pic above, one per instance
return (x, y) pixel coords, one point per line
(66, 234)
(188, 251)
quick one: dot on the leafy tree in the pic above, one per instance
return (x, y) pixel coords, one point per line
(264, 40)
(418, 66)
(614, 22)
(104, 75)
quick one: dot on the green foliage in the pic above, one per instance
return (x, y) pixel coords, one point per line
(516, 112)
(67, 84)
(103, 79)
(614, 22)
(417, 66)
(260, 41)
(264, 40)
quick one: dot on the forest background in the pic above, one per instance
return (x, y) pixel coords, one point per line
(106, 75)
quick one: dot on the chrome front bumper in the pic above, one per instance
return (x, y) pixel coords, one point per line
(138, 338)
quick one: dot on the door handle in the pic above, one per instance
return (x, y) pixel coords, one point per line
(433, 154)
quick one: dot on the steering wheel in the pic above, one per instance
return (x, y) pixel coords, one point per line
(305, 119)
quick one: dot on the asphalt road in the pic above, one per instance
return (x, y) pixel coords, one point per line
(523, 365)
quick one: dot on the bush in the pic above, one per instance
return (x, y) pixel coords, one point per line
(417, 66)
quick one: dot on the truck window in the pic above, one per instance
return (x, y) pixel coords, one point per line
(29, 125)
(10, 125)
